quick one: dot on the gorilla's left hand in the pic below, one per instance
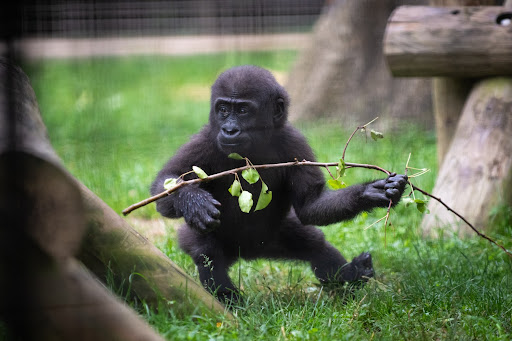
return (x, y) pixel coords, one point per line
(381, 191)
(199, 208)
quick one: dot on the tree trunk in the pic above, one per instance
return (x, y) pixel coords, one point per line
(343, 73)
(48, 215)
(477, 172)
(449, 96)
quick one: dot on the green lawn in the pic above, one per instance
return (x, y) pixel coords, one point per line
(115, 121)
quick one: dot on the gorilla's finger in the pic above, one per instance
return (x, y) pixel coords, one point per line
(212, 223)
(196, 223)
(214, 213)
(212, 210)
(394, 184)
(392, 193)
(402, 179)
(380, 197)
(379, 184)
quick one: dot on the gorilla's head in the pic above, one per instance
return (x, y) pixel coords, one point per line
(247, 105)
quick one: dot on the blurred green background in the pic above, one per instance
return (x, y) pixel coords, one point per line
(115, 121)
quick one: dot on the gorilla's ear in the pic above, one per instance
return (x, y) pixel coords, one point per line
(280, 113)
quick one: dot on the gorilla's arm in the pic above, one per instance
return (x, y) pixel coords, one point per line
(195, 205)
(315, 205)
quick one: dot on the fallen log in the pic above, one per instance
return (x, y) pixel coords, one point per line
(50, 223)
(45, 293)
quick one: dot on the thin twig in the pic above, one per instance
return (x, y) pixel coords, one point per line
(353, 133)
(386, 222)
(329, 171)
(463, 219)
(407, 164)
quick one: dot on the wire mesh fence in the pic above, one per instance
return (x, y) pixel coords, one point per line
(176, 17)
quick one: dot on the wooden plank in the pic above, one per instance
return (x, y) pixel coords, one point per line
(448, 41)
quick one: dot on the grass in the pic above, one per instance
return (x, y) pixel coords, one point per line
(115, 121)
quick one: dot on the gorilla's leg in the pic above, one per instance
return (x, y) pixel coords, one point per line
(212, 264)
(307, 243)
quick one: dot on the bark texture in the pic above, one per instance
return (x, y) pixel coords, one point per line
(342, 75)
(477, 172)
(454, 41)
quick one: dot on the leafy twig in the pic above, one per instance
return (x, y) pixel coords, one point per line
(353, 133)
(296, 163)
(183, 183)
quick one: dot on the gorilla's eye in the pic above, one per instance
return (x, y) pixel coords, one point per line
(223, 110)
(243, 110)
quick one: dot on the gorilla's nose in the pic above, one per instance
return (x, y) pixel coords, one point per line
(230, 131)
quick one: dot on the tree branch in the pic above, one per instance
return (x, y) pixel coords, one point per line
(306, 163)
(165, 193)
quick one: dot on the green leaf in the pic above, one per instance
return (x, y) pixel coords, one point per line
(265, 197)
(336, 184)
(421, 205)
(200, 173)
(235, 156)
(251, 175)
(340, 169)
(170, 183)
(235, 188)
(376, 135)
(245, 201)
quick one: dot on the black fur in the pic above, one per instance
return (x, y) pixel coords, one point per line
(249, 116)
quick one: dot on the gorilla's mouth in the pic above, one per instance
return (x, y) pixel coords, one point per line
(230, 144)
(229, 147)
(239, 142)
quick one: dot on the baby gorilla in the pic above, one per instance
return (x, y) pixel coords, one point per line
(248, 116)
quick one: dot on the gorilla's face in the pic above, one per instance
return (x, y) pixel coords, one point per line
(247, 105)
(242, 126)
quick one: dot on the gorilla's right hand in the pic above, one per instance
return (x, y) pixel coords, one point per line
(199, 208)
(381, 191)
